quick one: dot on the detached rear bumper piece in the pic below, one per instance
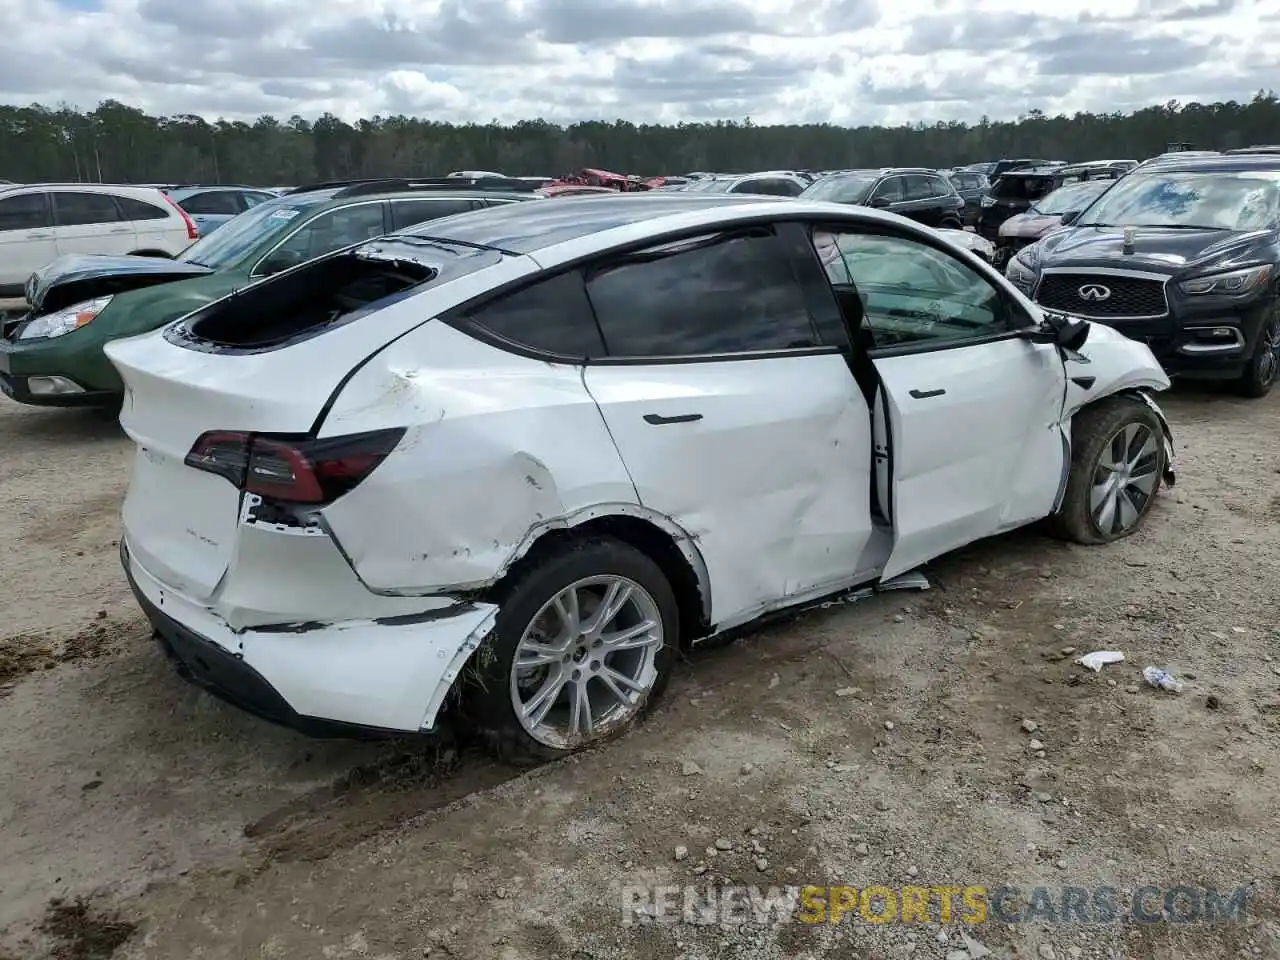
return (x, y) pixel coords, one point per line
(354, 680)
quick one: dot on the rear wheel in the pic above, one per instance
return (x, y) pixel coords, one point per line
(1263, 368)
(1117, 462)
(951, 223)
(585, 639)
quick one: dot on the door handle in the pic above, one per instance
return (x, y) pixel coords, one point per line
(121, 230)
(658, 419)
(39, 236)
(926, 394)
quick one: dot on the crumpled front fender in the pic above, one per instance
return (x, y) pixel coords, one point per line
(1110, 363)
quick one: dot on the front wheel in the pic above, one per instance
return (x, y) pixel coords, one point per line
(1264, 366)
(1117, 462)
(584, 641)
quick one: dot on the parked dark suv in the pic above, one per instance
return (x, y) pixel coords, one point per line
(1182, 254)
(923, 195)
(972, 187)
(1014, 191)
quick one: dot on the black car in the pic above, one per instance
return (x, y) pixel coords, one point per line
(921, 194)
(972, 187)
(1014, 191)
(1183, 255)
(1003, 166)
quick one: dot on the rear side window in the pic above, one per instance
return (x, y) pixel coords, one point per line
(551, 316)
(1013, 187)
(84, 209)
(405, 213)
(710, 295)
(26, 211)
(132, 209)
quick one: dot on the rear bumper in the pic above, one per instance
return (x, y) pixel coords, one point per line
(356, 679)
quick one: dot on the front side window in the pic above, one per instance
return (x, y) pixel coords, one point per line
(329, 231)
(909, 292)
(890, 190)
(26, 211)
(917, 187)
(84, 209)
(1209, 201)
(711, 295)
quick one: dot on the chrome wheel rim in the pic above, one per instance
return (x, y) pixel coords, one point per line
(1269, 353)
(587, 661)
(1125, 479)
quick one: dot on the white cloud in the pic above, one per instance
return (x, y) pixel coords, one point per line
(842, 61)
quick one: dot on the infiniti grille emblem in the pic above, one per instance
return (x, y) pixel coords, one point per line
(1095, 291)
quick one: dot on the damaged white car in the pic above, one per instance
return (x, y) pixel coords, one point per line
(528, 454)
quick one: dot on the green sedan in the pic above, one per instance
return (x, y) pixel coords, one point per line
(52, 355)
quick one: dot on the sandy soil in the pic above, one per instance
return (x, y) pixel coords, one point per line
(881, 742)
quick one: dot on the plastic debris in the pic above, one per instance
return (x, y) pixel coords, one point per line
(911, 580)
(1099, 658)
(1162, 679)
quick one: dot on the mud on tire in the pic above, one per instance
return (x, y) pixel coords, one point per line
(1094, 433)
(488, 706)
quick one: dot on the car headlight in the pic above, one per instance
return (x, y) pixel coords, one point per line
(1028, 257)
(65, 320)
(1233, 283)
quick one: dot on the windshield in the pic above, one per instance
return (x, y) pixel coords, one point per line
(852, 189)
(1248, 200)
(1077, 196)
(232, 241)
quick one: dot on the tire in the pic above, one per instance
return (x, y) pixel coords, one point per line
(1094, 434)
(1264, 366)
(951, 224)
(526, 601)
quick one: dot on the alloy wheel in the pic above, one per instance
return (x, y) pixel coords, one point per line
(1269, 352)
(587, 661)
(1125, 478)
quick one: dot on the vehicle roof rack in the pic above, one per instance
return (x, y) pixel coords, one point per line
(505, 184)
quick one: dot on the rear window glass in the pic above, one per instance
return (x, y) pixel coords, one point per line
(1021, 188)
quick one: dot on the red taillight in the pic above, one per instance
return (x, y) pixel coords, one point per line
(193, 232)
(290, 470)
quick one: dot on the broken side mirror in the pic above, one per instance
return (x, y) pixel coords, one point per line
(1065, 333)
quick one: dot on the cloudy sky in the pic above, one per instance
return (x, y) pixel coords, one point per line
(842, 61)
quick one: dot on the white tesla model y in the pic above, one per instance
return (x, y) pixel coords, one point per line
(528, 453)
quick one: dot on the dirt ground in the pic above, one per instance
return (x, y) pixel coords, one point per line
(875, 743)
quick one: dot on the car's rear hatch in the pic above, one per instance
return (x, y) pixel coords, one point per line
(267, 359)
(78, 277)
